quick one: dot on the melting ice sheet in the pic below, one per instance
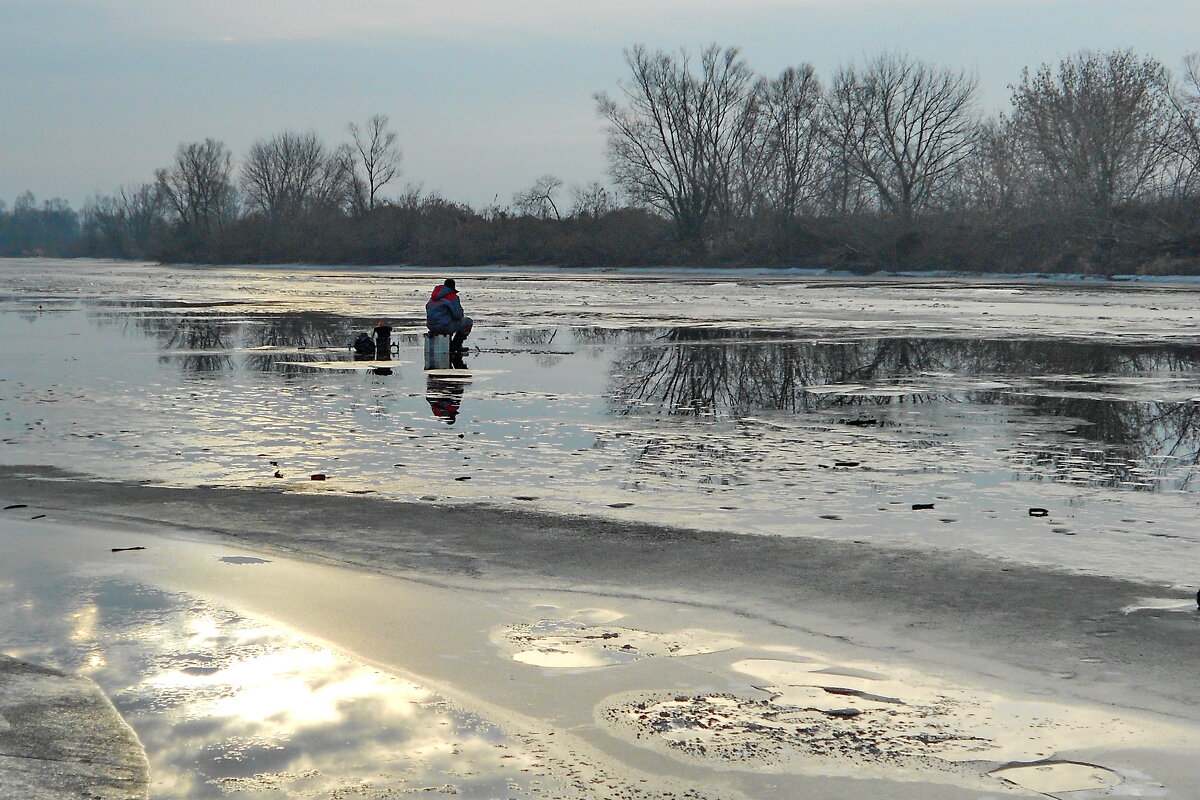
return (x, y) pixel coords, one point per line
(234, 703)
(761, 406)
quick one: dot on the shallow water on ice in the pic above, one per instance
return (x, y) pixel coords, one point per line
(764, 405)
(230, 705)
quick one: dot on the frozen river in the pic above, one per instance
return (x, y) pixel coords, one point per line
(751, 404)
(758, 490)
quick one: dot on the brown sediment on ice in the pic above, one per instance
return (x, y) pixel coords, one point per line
(816, 718)
(768, 735)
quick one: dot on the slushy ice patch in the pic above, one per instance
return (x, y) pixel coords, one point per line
(573, 644)
(817, 717)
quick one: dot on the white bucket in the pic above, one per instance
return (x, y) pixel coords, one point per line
(437, 351)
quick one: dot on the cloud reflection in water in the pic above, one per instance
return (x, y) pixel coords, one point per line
(228, 704)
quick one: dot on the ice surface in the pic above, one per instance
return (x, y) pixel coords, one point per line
(827, 407)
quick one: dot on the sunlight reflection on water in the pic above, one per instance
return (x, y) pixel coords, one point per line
(225, 703)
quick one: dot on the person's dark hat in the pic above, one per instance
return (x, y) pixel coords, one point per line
(449, 282)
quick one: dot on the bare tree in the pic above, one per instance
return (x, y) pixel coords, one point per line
(1098, 129)
(376, 159)
(903, 126)
(790, 139)
(592, 200)
(1186, 99)
(336, 187)
(294, 172)
(125, 223)
(675, 143)
(997, 177)
(538, 200)
(197, 187)
(845, 192)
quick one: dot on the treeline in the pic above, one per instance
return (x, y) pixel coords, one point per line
(889, 164)
(51, 228)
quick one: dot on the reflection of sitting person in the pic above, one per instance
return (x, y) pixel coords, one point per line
(444, 315)
(444, 400)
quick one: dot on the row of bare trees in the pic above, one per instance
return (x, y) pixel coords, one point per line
(282, 180)
(887, 163)
(710, 144)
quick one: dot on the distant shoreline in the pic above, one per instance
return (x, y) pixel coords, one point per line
(642, 272)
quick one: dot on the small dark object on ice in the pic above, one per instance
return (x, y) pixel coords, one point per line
(861, 422)
(922, 506)
(463, 478)
(320, 476)
(39, 516)
(846, 463)
(1039, 512)
(845, 713)
(123, 549)
(278, 474)
(16, 505)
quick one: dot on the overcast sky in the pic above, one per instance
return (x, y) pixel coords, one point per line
(486, 95)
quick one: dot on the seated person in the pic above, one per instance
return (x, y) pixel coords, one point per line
(444, 315)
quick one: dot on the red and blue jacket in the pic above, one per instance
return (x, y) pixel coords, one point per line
(443, 309)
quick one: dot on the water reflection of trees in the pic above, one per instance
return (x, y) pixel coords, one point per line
(697, 371)
(206, 342)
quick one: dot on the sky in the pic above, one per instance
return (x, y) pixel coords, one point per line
(484, 95)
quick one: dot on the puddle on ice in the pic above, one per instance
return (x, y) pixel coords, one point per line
(228, 705)
(361, 366)
(596, 616)
(550, 655)
(1058, 776)
(244, 560)
(1161, 604)
(696, 413)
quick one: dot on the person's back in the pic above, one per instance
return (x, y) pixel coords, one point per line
(444, 310)
(444, 314)
(383, 341)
